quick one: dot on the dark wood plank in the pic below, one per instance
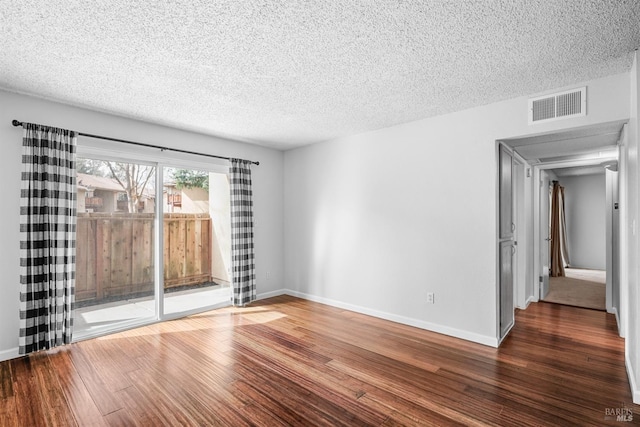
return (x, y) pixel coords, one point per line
(287, 361)
(6, 381)
(142, 409)
(76, 394)
(28, 402)
(84, 358)
(119, 418)
(52, 398)
(8, 413)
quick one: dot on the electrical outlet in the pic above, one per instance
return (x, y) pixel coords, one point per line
(268, 275)
(431, 299)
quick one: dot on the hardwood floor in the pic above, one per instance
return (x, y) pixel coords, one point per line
(286, 361)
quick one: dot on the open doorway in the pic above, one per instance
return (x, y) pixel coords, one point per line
(578, 149)
(578, 234)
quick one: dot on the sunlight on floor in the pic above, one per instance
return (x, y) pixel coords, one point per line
(213, 321)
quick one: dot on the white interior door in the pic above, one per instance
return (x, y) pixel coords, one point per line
(545, 237)
(506, 242)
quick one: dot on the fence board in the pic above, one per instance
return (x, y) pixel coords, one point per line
(103, 263)
(190, 249)
(175, 259)
(85, 265)
(121, 240)
(165, 253)
(147, 247)
(205, 248)
(181, 248)
(91, 254)
(141, 256)
(197, 247)
(81, 263)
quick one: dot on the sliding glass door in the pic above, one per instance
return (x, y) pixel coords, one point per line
(153, 242)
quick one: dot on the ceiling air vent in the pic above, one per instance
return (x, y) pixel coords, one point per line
(561, 105)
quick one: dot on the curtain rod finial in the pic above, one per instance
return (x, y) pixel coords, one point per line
(16, 123)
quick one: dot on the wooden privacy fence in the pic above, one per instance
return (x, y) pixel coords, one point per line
(114, 255)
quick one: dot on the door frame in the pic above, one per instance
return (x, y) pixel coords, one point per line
(523, 231)
(112, 151)
(624, 225)
(528, 247)
(536, 214)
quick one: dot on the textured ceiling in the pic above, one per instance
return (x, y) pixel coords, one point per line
(288, 73)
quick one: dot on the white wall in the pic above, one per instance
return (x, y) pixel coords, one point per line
(585, 208)
(194, 200)
(375, 221)
(267, 179)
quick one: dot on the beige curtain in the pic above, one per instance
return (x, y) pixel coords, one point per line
(559, 250)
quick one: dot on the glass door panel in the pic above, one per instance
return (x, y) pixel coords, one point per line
(195, 240)
(115, 245)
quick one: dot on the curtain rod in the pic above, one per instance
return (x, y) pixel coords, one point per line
(142, 144)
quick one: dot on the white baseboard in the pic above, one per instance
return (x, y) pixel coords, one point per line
(12, 353)
(635, 391)
(527, 302)
(434, 327)
(271, 294)
(614, 311)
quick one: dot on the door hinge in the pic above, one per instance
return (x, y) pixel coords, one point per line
(540, 279)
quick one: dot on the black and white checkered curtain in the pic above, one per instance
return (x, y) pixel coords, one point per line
(242, 256)
(47, 237)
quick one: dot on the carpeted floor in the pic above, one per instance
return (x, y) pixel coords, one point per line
(580, 288)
